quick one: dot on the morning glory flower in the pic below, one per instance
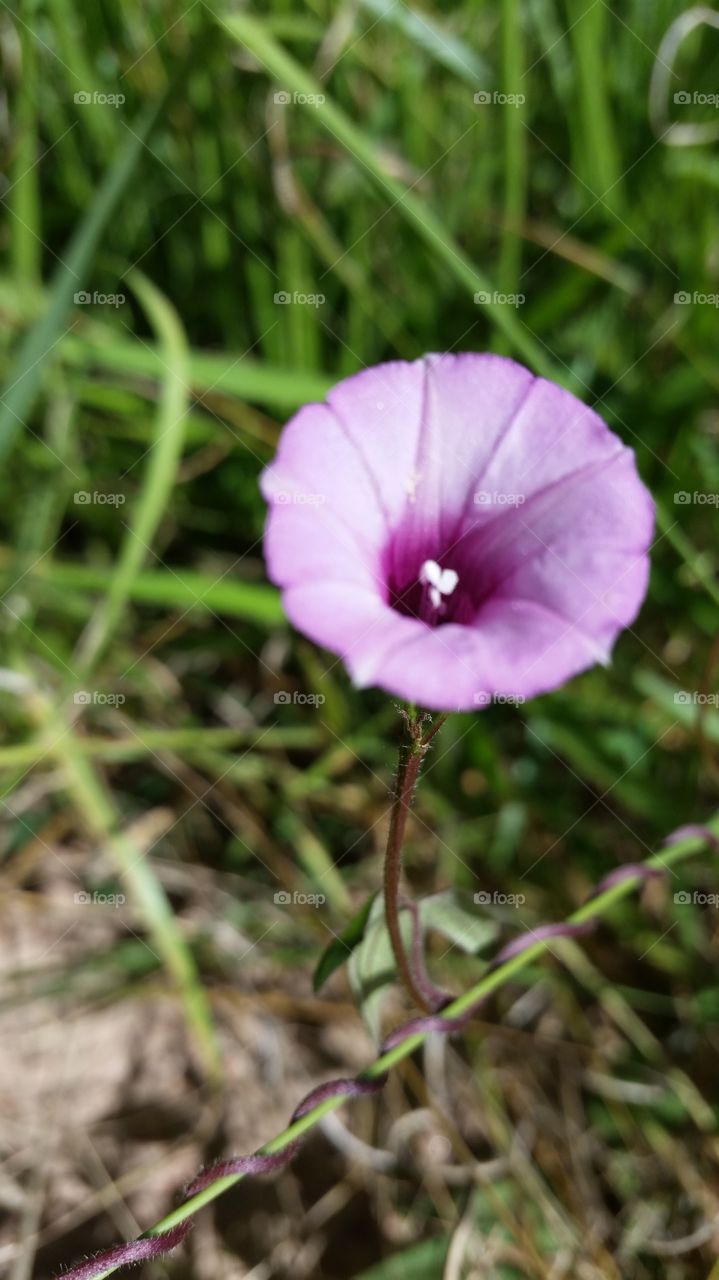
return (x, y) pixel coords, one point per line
(456, 530)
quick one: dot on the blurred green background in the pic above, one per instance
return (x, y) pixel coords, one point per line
(211, 215)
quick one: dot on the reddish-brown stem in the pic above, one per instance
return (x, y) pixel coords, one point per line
(435, 729)
(411, 754)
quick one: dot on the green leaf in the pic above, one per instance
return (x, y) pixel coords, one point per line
(372, 970)
(466, 928)
(340, 949)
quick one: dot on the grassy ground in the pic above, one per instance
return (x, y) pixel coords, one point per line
(335, 155)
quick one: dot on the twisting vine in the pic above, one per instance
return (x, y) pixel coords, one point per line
(218, 1178)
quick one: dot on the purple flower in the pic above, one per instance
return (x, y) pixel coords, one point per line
(456, 530)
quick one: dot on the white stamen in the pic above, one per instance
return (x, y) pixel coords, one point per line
(430, 572)
(441, 582)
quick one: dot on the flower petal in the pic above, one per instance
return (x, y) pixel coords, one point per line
(325, 519)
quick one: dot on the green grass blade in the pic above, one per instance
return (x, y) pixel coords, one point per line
(71, 275)
(174, 589)
(683, 545)
(595, 141)
(24, 197)
(250, 379)
(289, 73)
(444, 47)
(160, 470)
(515, 148)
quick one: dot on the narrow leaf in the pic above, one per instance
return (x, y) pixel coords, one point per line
(340, 948)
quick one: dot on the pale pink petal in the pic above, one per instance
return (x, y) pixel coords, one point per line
(456, 529)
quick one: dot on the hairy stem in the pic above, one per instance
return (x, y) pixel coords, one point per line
(412, 751)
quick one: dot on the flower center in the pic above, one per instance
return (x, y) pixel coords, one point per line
(423, 588)
(438, 583)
